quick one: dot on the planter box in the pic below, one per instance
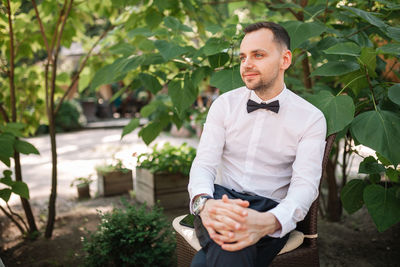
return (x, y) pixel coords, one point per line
(169, 189)
(114, 183)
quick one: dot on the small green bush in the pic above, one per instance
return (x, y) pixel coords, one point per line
(132, 236)
(169, 158)
(68, 117)
(117, 166)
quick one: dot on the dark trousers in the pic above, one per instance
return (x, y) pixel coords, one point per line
(260, 254)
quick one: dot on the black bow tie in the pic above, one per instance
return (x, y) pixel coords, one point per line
(273, 106)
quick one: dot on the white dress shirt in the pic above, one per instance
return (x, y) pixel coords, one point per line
(274, 155)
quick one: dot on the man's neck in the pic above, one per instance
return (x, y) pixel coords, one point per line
(269, 93)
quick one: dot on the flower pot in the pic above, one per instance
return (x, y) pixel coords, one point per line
(83, 191)
(114, 183)
(168, 188)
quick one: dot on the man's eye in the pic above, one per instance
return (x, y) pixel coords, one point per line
(258, 55)
(242, 58)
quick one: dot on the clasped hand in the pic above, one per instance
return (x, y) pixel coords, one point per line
(234, 226)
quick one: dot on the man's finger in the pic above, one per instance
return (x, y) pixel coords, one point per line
(235, 246)
(238, 201)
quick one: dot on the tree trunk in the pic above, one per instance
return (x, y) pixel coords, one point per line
(53, 194)
(334, 207)
(25, 203)
(306, 73)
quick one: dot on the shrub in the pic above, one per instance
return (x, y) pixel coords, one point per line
(168, 159)
(117, 166)
(132, 236)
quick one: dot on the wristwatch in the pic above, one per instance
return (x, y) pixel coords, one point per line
(198, 203)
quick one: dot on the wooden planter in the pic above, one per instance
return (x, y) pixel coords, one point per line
(170, 189)
(83, 191)
(114, 183)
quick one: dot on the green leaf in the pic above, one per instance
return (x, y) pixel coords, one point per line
(370, 166)
(5, 194)
(110, 73)
(368, 58)
(374, 178)
(214, 46)
(175, 25)
(20, 188)
(383, 160)
(6, 146)
(394, 93)
(392, 174)
(25, 147)
(348, 48)
(150, 82)
(150, 132)
(338, 110)
(148, 109)
(7, 178)
(352, 195)
(14, 128)
(227, 79)
(132, 125)
(199, 74)
(146, 32)
(368, 16)
(379, 130)
(169, 50)
(182, 97)
(122, 48)
(336, 68)
(391, 49)
(356, 80)
(5, 160)
(300, 32)
(392, 32)
(382, 205)
(153, 18)
(218, 60)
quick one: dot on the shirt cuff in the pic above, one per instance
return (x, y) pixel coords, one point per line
(285, 218)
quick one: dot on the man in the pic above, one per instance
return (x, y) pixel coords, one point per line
(270, 144)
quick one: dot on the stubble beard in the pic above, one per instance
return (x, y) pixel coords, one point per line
(262, 85)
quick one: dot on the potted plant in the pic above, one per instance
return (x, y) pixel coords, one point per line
(163, 174)
(114, 179)
(82, 185)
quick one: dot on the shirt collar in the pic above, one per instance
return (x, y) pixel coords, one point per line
(281, 96)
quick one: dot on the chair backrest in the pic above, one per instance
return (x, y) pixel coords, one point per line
(309, 225)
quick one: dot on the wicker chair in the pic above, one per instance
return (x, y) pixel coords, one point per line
(301, 249)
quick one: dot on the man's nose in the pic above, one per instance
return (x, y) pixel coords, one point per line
(247, 63)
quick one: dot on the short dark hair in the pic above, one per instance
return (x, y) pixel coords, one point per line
(281, 36)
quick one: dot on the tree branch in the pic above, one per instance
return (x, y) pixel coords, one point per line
(13, 220)
(4, 113)
(81, 67)
(11, 71)
(42, 29)
(18, 216)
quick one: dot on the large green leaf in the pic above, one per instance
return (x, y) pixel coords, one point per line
(153, 18)
(150, 132)
(25, 147)
(176, 25)
(356, 81)
(21, 189)
(182, 96)
(226, 80)
(150, 82)
(370, 166)
(218, 60)
(379, 130)
(383, 205)
(169, 50)
(140, 31)
(6, 146)
(348, 48)
(5, 194)
(122, 48)
(109, 73)
(336, 68)
(215, 46)
(302, 31)
(392, 49)
(394, 93)
(368, 58)
(132, 125)
(338, 110)
(368, 16)
(352, 195)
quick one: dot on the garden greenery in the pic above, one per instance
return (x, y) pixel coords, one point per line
(118, 166)
(172, 159)
(131, 236)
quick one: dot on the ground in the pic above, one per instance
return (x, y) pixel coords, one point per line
(353, 241)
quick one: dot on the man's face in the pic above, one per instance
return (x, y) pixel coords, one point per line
(261, 60)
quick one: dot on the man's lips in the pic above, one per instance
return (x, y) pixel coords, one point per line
(250, 75)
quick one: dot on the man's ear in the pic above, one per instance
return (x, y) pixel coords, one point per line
(286, 59)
